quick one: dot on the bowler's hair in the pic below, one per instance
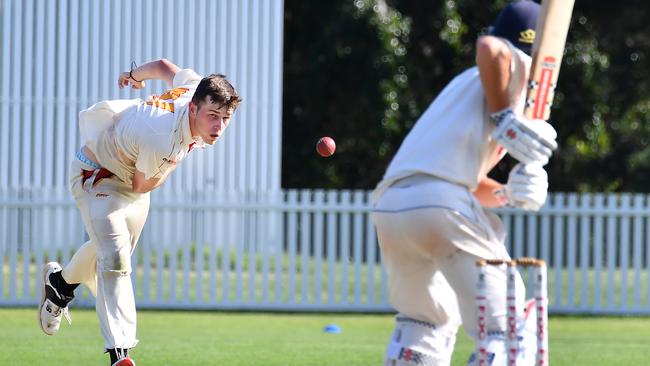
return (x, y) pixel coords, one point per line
(220, 91)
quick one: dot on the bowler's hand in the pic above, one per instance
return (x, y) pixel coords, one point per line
(125, 80)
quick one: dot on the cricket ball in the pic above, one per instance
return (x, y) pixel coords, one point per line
(325, 146)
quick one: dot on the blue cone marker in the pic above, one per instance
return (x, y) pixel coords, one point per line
(332, 328)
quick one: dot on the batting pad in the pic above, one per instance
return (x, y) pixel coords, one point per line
(420, 343)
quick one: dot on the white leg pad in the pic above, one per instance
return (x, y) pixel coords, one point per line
(420, 343)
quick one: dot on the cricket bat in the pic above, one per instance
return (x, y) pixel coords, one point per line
(548, 49)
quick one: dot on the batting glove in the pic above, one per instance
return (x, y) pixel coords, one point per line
(527, 187)
(529, 141)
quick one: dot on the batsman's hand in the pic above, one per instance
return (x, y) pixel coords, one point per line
(527, 187)
(529, 141)
(125, 80)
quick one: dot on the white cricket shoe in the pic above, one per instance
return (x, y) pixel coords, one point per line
(53, 305)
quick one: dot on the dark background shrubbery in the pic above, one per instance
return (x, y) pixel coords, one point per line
(363, 71)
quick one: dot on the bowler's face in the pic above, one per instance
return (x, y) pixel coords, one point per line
(210, 120)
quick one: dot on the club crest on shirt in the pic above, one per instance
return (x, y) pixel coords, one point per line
(169, 161)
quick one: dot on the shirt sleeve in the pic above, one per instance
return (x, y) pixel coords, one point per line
(519, 70)
(186, 77)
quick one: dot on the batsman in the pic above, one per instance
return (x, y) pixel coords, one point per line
(129, 148)
(430, 209)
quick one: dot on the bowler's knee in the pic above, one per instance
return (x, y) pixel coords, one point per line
(117, 262)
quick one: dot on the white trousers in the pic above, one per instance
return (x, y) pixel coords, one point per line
(431, 233)
(114, 217)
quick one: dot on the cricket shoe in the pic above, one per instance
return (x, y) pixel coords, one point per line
(126, 361)
(54, 304)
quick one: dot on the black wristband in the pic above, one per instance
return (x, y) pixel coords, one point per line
(133, 64)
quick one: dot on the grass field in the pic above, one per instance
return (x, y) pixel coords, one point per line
(241, 339)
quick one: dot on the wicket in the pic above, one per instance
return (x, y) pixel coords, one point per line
(541, 304)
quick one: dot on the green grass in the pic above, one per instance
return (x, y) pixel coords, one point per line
(242, 339)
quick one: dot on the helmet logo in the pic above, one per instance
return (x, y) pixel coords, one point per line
(527, 36)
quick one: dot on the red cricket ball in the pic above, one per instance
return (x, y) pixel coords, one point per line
(325, 146)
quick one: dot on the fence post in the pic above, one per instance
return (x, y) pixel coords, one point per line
(585, 236)
(559, 245)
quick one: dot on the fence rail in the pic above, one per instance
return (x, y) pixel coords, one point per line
(315, 250)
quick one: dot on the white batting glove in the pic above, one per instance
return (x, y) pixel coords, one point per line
(529, 141)
(527, 187)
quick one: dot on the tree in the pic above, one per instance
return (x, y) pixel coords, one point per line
(363, 71)
(332, 86)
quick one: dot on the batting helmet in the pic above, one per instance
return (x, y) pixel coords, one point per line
(516, 23)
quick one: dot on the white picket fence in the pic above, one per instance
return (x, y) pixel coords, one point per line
(315, 250)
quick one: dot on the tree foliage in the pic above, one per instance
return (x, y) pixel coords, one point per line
(363, 71)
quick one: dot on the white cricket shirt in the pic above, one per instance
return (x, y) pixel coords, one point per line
(451, 140)
(150, 135)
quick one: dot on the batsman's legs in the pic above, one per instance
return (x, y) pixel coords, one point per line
(431, 234)
(428, 319)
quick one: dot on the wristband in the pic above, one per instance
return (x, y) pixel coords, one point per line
(131, 72)
(499, 116)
